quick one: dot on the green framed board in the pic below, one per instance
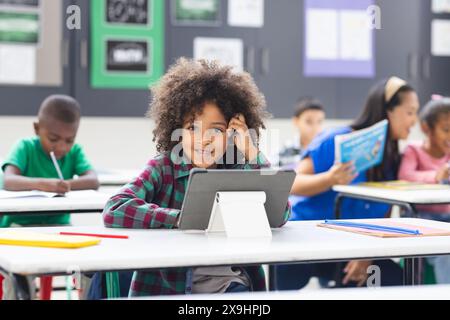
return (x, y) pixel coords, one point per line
(127, 43)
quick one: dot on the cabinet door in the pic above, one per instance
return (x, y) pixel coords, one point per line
(396, 45)
(32, 71)
(280, 61)
(434, 70)
(180, 36)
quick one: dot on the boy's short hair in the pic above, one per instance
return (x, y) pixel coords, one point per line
(433, 110)
(307, 103)
(183, 91)
(60, 107)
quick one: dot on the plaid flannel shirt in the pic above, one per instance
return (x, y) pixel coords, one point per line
(153, 201)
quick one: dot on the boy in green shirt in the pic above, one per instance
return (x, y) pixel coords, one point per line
(29, 165)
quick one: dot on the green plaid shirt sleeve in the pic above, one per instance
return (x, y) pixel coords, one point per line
(134, 205)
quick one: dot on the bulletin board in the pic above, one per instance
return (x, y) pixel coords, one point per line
(127, 43)
(30, 43)
(338, 39)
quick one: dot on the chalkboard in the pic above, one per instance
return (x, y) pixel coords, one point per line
(131, 56)
(127, 11)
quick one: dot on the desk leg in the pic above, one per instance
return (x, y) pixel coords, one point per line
(337, 206)
(417, 262)
(412, 271)
(419, 271)
(411, 211)
(21, 287)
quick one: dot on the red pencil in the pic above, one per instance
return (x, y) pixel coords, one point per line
(112, 236)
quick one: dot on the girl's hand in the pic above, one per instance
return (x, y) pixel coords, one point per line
(242, 137)
(443, 174)
(356, 271)
(342, 173)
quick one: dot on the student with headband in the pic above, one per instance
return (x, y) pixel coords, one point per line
(317, 173)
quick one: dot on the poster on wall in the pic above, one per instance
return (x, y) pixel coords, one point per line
(196, 12)
(25, 3)
(127, 49)
(128, 11)
(440, 37)
(123, 56)
(440, 6)
(338, 39)
(246, 13)
(17, 64)
(30, 51)
(226, 50)
(19, 27)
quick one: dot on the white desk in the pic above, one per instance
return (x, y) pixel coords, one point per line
(405, 198)
(430, 292)
(301, 242)
(74, 202)
(116, 177)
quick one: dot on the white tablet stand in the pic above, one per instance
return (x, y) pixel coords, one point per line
(240, 215)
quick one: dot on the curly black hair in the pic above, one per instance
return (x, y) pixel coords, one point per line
(183, 91)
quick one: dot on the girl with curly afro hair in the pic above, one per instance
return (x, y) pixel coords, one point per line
(202, 110)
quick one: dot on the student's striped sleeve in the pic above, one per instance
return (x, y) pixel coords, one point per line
(132, 207)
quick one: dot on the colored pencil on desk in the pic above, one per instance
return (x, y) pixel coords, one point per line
(112, 236)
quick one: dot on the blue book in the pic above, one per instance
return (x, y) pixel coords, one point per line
(365, 147)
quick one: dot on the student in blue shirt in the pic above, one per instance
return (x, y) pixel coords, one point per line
(391, 99)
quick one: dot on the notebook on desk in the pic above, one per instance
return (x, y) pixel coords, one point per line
(384, 229)
(34, 239)
(405, 185)
(27, 194)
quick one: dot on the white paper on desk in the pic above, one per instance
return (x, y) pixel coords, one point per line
(246, 13)
(440, 6)
(228, 51)
(26, 194)
(322, 34)
(17, 64)
(440, 37)
(42, 194)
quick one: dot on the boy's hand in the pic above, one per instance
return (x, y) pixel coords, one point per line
(242, 138)
(342, 173)
(443, 174)
(356, 271)
(55, 185)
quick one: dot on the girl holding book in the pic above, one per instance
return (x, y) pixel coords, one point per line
(392, 99)
(429, 162)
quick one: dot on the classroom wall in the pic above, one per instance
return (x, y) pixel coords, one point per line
(126, 143)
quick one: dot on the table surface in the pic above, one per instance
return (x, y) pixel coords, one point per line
(407, 196)
(90, 200)
(147, 249)
(116, 177)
